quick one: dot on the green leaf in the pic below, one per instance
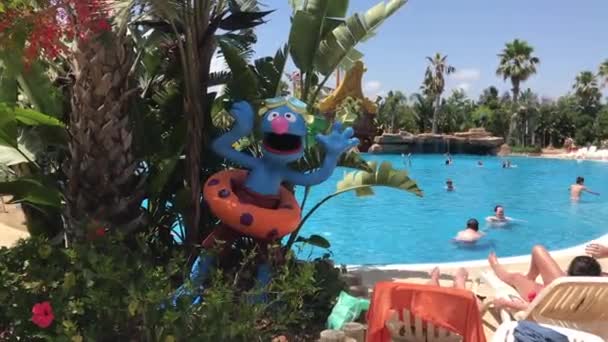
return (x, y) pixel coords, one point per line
(244, 82)
(40, 91)
(161, 175)
(384, 175)
(8, 126)
(31, 117)
(32, 190)
(304, 39)
(337, 8)
(337, 45)
(315, 240)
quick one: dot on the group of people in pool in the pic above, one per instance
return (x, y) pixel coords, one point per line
(471, 233)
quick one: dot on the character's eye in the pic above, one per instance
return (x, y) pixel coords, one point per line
(290, 117)
(272, 116)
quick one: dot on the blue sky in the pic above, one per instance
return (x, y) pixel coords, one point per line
(568, 37)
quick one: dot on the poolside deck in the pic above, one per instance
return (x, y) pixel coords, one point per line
(418, 274)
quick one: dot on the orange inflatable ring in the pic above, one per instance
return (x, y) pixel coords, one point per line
(246, 218)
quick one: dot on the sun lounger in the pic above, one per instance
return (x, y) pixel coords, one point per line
(505, 331)
(579, 303)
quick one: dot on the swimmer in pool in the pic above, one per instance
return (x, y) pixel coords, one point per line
(577, 189)
(480, 164)
(499, 215)
(449, 160)
(449, 185)
(471, 233)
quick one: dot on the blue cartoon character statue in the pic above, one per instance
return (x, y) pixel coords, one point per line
(253, 202)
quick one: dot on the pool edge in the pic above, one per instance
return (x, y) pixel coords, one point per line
(572, 251)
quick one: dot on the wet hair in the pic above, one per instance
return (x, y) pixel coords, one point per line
(449, 181)
(580, 180)
(584, 265)
(498, 206)
(473, 224)
(447, 161)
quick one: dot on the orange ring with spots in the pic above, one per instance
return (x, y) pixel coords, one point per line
(247, 218)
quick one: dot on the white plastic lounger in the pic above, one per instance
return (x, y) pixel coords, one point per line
(505, 331)
(579, 303)
(403, 331)
(502, 290)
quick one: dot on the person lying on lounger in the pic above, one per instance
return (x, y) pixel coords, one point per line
(596, 250)
(544, 265)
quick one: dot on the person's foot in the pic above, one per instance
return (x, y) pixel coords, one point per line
(460, 278)
(461, 273)
(435, 274)
(493, 260)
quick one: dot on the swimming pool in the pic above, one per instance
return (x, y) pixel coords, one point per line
(396, 227)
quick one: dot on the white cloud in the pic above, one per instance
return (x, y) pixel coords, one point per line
(464, 86)
(466, 75)
(372, 88)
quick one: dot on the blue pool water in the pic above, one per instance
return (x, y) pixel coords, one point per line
(396, 227)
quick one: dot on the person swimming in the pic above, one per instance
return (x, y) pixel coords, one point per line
(577, 189)
(471, 233)
(479, 163)
(408, 157)
(499, 215)
(449, 185)
(449, 160)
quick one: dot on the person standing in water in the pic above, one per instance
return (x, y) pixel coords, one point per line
(499, 215)
(471, 233)
(449, 185)
(577, 189)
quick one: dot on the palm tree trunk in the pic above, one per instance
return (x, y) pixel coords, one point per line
(436, 114)
(514, 114)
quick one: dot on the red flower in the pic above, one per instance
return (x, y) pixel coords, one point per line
(100, 232)
(43, 314)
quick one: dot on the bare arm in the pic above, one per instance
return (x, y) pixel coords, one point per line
(591, 192)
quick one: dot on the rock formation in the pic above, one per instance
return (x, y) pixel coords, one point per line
(475, 141)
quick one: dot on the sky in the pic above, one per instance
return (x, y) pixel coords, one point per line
(568, 37)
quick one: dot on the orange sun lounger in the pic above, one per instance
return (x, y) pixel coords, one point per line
(454, 310)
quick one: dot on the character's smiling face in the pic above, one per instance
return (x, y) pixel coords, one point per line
(284, 131)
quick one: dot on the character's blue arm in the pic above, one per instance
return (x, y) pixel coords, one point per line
(315, 177)
(335, 144)
(243, 125)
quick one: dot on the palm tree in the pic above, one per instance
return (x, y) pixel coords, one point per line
(603, 73)
(423, 110)
(434, 82)
(390, 106)
(103, 186)
(516, 64)
(586, 89)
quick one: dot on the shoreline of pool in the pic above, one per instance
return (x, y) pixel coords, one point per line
(570, 251)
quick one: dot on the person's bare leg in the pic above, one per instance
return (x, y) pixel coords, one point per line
(542, 263)
(460, 278)
(434, 274)
(521, 283)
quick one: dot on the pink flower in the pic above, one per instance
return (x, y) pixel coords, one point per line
(43, 314)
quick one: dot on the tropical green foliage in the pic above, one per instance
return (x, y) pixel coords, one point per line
(516, 64)
(434, 83)
(106, 290)
(395, 114)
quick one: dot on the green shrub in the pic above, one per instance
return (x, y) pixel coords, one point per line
(117, 290)
(526, 149)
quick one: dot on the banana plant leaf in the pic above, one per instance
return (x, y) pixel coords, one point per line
(318, 125)
(35, 191)
(315, 240)
(337, 45)
(382, 175)
(243, 84)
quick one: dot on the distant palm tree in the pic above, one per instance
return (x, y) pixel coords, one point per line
(423, 110)
(603, 73)
(434, 82)
(586, 88)
(517, 64)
